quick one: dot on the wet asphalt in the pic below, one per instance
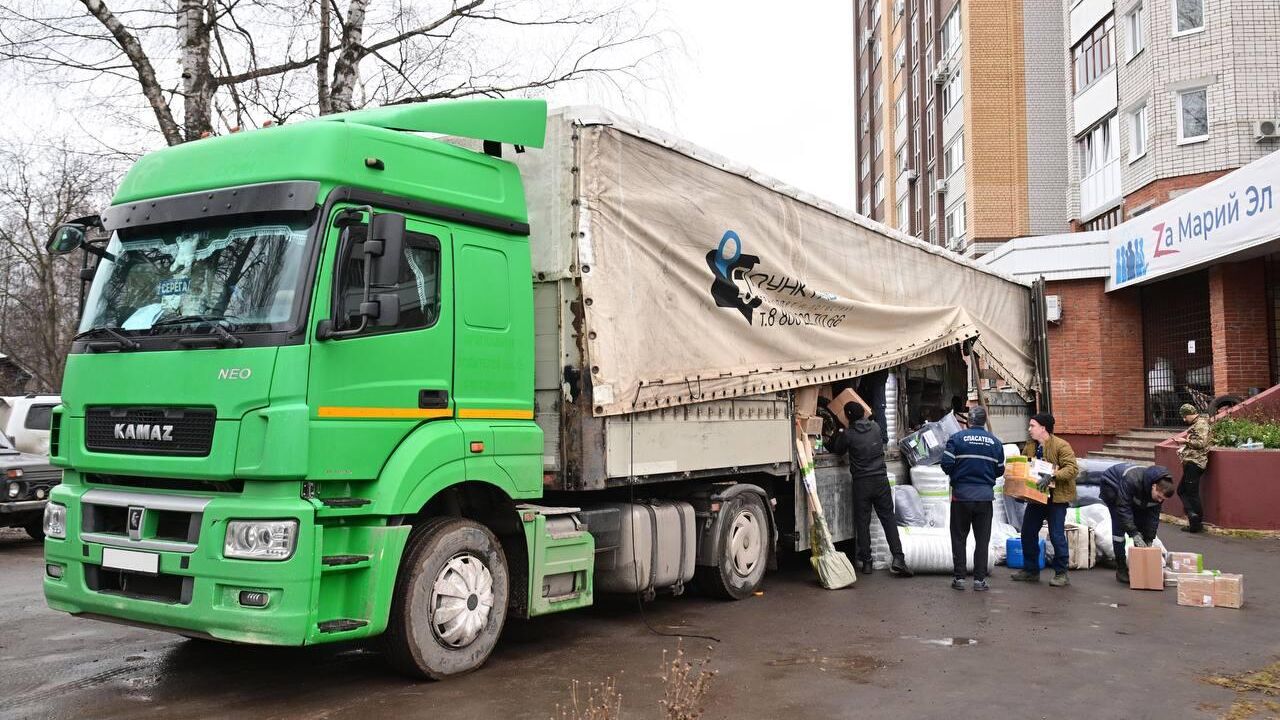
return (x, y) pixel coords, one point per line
(886, 648)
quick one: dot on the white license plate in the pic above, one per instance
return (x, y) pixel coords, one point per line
(131, 560)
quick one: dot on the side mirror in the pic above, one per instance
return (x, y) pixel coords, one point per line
(385, 248)
(66, 239)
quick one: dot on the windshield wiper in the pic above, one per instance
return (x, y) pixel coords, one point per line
(118, 341)
(224, 338)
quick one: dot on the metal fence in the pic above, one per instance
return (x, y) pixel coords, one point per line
(1177, 345)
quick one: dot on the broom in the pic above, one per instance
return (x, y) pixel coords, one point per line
(833, 567)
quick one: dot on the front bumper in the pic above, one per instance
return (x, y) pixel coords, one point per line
(22, 506)
(196, 589)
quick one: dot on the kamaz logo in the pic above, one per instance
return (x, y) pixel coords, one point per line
(143, 431)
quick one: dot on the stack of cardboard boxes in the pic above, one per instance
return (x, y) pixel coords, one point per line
(1197, 587)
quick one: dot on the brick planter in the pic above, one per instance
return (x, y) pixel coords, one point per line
(1241, 488)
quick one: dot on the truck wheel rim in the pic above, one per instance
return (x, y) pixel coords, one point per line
(744, 543)
(461, 599)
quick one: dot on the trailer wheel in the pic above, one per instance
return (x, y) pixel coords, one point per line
(744, 549)
(450, 600)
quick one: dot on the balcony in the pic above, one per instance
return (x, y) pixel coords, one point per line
(1100, 190)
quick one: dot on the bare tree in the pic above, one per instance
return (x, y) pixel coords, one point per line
(201, 66)
(40, 188)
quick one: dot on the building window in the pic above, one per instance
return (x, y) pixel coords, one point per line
(877, 51)
(899, 6)
(953, 156)
(879, 102)
(955, 223)
(1093, 55)
(866, 205)
(904, 161)
(1193, 115)
(1135, 32)
(900, 114)
(1188, 16)
(875, 13)
(1097, 148)
(1105, 221)
(900, 55)
(879, 142)
(904, 217)
(1138, 133)
(862, 80)
(866, 166)
(951, 31)
(879, 192)
(952, 92)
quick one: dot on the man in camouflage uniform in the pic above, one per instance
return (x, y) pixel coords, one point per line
(1194, 454)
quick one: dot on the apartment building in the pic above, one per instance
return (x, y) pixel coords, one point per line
(1165, 95)
(961, 122)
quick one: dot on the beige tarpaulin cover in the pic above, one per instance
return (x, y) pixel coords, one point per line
(701, 283)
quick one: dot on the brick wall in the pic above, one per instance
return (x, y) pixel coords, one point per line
(1161, 191)
(1238, 315)
(1095, 359)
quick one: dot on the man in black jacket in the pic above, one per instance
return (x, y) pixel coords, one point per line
(861, 440)
(1134, 494)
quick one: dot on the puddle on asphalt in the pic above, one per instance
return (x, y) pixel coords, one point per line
(943, 642)
(854, 667)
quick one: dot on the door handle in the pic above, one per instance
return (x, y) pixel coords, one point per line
(433, 399)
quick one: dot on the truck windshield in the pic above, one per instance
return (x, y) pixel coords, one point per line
(242, 272)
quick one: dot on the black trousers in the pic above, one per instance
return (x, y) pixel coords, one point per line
(966, 514)
(868, 496)
(1189, 491)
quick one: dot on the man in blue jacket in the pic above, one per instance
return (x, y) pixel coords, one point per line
(974, 458)
(1134, 494)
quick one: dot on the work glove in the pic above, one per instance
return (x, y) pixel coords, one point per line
(1043, 484)
(1138, 541)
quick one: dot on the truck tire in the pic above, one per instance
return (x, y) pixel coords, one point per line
(1222, 402)
(35, 528)
(450, 599)
(744, 549)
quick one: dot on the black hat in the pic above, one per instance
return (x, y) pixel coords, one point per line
(854, 411)
(1045, 420)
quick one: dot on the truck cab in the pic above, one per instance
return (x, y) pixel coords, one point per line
(299, 408)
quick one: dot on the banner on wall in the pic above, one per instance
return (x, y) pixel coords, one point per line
(1233, 213)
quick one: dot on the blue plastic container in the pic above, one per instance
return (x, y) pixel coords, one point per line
(1013, 549)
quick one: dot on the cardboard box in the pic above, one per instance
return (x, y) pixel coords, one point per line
(1194, 590)
(1016, 467)
(807, 401)
(1185, 562)
(1146, 569)
(1024, 490)
(837, 405)
(1228, 590)
(1171, 578)
(811, 425)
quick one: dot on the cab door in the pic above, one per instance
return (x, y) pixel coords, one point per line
(366, 392)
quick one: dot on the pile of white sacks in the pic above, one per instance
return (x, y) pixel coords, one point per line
(923, 511)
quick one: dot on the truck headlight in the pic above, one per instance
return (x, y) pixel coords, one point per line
(15, 489)
(55, 521)
(261, 539)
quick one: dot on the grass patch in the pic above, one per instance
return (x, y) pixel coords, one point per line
(1254, 692)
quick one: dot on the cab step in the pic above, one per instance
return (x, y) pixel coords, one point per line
(345, 502)
(339, 560)
(342, 625)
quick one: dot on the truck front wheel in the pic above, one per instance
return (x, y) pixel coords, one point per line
(450, 599)
(744, 549)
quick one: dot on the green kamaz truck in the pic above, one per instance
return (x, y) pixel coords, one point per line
(365, 376)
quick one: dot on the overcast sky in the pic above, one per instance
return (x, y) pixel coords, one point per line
(767, 86)
(760, 84)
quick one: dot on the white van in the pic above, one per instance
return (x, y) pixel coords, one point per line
(25, 419)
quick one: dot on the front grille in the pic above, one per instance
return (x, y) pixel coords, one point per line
(160, 483)
(172, 589)
(150, 430)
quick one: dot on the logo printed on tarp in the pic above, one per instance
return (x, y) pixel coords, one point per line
(729, 266)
